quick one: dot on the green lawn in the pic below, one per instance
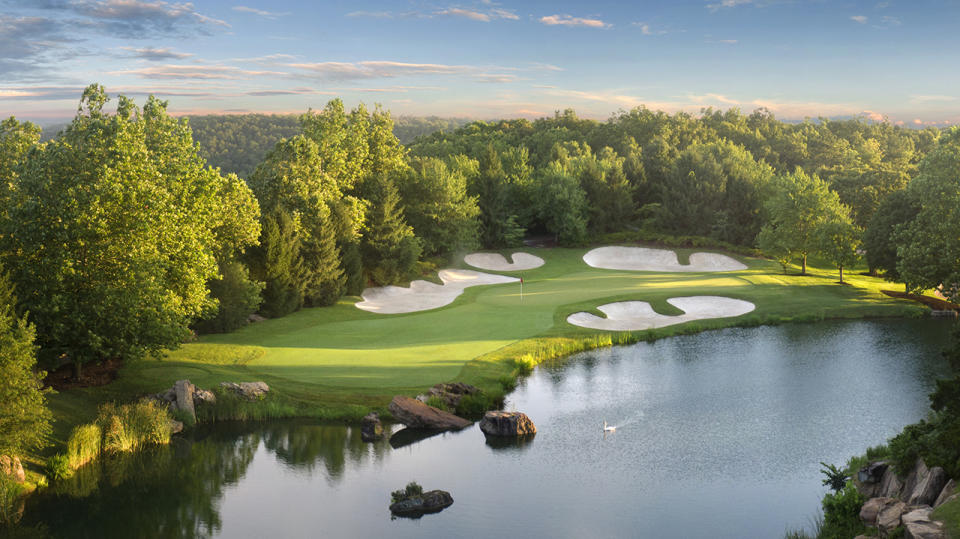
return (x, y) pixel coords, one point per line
(338, 361)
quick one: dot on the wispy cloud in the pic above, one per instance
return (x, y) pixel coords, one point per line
(728, 4)
(156, 55)
(374, 14)
(373, 69)
(194, 72)
(500, 78)
(466, 13)
(887, 22)
(260, 12)
(567, 20)
(647, 30)
(862, 19)
(136, 19)
(932, 98)
(27, 44)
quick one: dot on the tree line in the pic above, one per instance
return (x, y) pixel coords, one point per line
(118, 238)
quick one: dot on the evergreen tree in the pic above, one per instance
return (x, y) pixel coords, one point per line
(24, 417)
(237, 298)
(277, 262)
(389, 249)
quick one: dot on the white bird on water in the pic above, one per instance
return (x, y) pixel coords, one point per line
(607, 428)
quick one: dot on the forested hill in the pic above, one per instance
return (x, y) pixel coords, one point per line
(237, 143)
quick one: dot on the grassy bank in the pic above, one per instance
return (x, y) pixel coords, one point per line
(339, 362)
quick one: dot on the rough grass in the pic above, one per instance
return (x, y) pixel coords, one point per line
(339, 362)
(949, 514)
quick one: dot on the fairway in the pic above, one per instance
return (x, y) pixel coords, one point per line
(343, 360)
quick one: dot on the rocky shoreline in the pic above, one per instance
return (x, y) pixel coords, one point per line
(909, 504)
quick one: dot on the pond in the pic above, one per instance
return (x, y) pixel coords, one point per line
(719, 434)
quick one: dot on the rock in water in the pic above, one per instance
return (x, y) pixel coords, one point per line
(507, 424)
(184, 391)
(371, 429)
(417, 415)
(416, 506)
(12, 468)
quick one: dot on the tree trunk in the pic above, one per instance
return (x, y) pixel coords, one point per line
(803, 269)
(77, 364)
(841, 274)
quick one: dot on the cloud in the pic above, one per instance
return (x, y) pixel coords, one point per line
(132, 18)
(567, 20)
(862, 19)
(728, 4)
(495, 78)
(540, 66)
(887, 22)
(194, 72)
(646, 30)
(376, 69)
(288, 91)
(932, 98)
(28, 45)
(156, 55)
(374, 14)
(722, 41)
(469, 14)
(260, 12)
(504, 14)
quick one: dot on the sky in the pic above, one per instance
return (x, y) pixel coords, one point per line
(487, 59)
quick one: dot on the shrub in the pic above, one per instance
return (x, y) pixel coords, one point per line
(84, 444)
(524, 364)
(58, 467)
(9, 502)
(836, 479)
(841, 514)
(437, 402)
(238, 298)
(475, 405)
(412, 490)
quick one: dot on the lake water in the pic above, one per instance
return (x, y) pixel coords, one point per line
(719, 434)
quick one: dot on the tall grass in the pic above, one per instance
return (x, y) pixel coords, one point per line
(84, 444)
(11, 504)
(232, 407)
(129, 427)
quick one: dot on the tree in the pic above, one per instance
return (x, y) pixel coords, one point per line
(929, 245)
(278, 264)
(437, 206)
(114, 230)
(897, 209)
(800, 204)
(24, 417)
(561, 205)
(389, 248)
(839, 242)
(237, 298)
(16, 139)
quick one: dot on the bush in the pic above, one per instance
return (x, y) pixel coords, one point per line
(412, 490)
(84, 444)
(58, 467)
(437, 402)
(841, 514)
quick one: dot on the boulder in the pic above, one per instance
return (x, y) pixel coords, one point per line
(176, 427)
(204, 396)
(507, 424)
(869, 479)
(918, 525)
(928, 487)
(248, 390)
(12, 468)
(417, 506)
(417, 415)
(890, 485)
(450, 393)
(872, 508)
(184, 392)
(946, 493)
(889, 517)
(371, 429)
(916, 475)
(254, 318)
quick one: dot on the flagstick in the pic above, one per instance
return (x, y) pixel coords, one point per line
(521, 289)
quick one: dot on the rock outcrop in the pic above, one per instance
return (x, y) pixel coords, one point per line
(450, 394)
(889, 517)
(371, 429)
(890, 485)
(928, 487)
(918, 525)
(946, 494)
(417, 415)
(250, 391)
(416, 506)
(507, 424)
(12, 468)
(871, 509)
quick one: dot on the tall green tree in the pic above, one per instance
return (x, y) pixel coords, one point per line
(562, 205)
(16, 139)
(929, 246)
(24, 417)
(799, 205)
(897, 209)
(276, 262)
(113, 232)
(437, 206)
(389, 248)
(839, 243)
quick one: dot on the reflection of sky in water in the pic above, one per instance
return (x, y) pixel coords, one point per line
(719, 435)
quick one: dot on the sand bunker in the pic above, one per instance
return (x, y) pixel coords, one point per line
(424, 295)
(497, 262)
(638, 315)
(644, 259)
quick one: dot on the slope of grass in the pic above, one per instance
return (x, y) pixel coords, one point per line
(339, 361)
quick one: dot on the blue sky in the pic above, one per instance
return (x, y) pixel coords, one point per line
(488, 59)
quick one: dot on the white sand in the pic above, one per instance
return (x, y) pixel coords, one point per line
(497, 262)
(645, 259)
(638, 315)
(424, 295)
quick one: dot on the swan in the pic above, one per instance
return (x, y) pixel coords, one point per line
(607, 428)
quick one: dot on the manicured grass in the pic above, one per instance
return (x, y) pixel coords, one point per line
(339, 361)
